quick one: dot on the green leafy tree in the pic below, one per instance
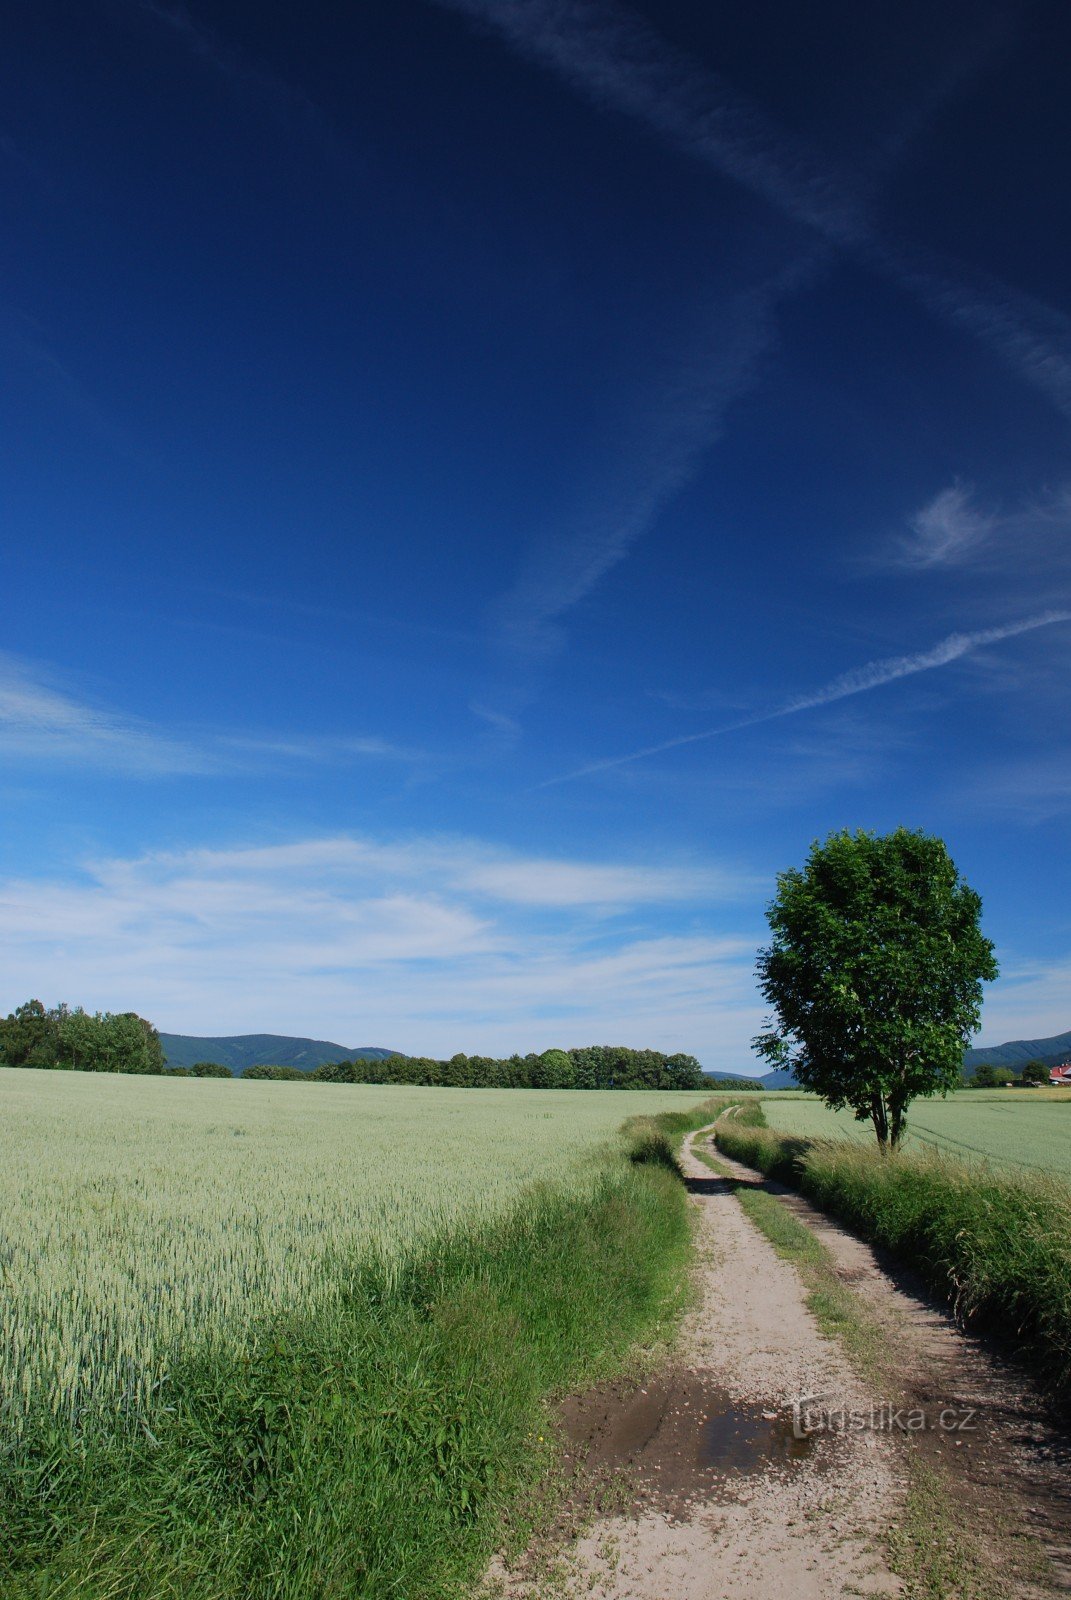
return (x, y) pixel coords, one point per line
(555, 1071)
(986, 1076)
(28, 1036)
(131, 1044)
(1035, 1072)
(83, 1040)
(874, 972)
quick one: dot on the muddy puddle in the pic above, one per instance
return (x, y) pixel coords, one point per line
(679, 1439)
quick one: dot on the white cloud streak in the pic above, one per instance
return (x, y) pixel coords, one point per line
(42, 723)
(618, 61)
(452, 864)
(860, 680)
(1028, 1001)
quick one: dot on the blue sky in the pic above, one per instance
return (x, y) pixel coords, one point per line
(485, 485)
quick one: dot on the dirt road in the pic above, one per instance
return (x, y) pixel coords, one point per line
(724, 1500)
(1004, 1464)
(716, 1498)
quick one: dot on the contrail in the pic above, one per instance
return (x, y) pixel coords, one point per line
(661, 452)
(860, 680)
(618, 61)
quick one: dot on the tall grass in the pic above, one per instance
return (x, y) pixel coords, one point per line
(138, 1214)
(995, 1245)
(377, 1439)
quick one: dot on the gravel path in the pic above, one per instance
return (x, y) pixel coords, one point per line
(782, 1520)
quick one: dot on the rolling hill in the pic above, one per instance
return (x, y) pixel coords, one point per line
(1016, 1051)
(777, 1079)
(242, 1050)
(1013, 1054)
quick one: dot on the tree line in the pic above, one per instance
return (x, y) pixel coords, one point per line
(596, 1066)
(80, 1041)
(987, 1076)
(599, 1066)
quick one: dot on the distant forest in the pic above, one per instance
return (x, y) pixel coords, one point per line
(74, 1040)
(595, 1066)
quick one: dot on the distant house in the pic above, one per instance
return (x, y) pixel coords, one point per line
(1061, 1074)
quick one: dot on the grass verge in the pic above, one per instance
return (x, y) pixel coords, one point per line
(996, 1246)
(383, 1446)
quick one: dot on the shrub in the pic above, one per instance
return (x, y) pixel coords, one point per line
(287, 1074)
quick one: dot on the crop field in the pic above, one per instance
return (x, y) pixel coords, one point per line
(141, 1213)
(1028, 1128)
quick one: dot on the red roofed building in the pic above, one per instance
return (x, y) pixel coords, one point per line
(1061, 1074)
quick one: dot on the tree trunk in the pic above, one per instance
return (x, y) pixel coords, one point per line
(879, 1116)
(897, 1124)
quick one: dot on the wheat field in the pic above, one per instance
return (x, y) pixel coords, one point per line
(1025, 1128)
(141, 1214)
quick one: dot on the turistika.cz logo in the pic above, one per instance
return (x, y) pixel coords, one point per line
(818, 1413)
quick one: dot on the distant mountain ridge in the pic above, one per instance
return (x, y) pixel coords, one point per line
(1013, 1054)
(240, 1050)
(778, 1078)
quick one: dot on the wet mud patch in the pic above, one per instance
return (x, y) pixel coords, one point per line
(679, 1439)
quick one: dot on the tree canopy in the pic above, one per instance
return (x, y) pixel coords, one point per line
(874, 972)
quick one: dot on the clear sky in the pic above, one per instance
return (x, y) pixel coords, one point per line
(487, 483)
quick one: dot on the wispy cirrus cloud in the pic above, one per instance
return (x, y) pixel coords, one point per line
(947, 530)
(953, 531)
(859, 680)
(1034, 789)
(423, 944)
(325, 748)
(452, 864)
(617, 60)
(1029, 1000)
(43, 722)
(40, 721)
(1031, 339)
